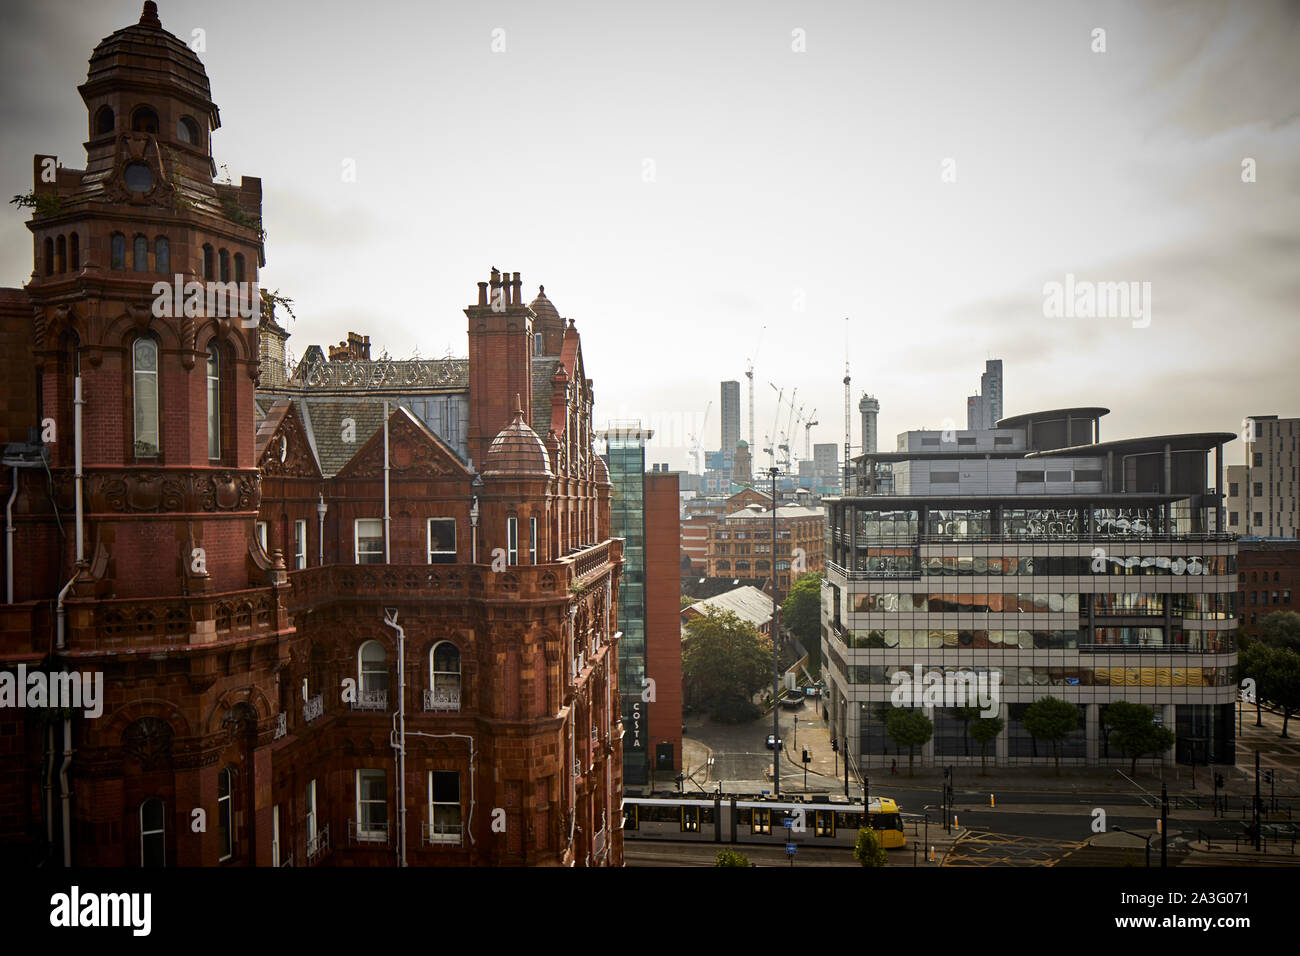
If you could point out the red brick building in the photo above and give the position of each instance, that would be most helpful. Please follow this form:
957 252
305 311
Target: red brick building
327 632
1268 580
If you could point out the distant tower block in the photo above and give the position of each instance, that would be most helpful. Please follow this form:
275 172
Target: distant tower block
730 416
869 407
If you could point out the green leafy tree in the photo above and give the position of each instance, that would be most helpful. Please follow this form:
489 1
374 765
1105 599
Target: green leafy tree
868 850
731 858
1051 720
965 715
984 731
801 613
1281 629
1134 731
724 661
687 601
908 727
1279 680
1250 663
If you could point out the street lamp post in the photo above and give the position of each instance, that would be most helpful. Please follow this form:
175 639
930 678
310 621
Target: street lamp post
1147 838
776 667
321 508
475 486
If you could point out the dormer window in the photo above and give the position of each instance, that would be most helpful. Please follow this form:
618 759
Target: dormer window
187 131
144 120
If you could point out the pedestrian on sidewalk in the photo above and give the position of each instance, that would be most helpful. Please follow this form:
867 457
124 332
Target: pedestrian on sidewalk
893 767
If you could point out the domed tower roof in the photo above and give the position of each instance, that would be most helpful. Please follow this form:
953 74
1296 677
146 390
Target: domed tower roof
602 472
144 54
517 450
542 307
548 323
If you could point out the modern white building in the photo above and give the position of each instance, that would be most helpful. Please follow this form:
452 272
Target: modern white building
1263 498
1033 559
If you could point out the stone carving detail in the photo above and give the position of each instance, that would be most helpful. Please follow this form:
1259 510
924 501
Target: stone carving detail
148 740
147 491
412 373
288 454
226 491
410 451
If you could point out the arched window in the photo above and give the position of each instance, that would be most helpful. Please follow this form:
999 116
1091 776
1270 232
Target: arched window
373 667
145 397
104 121
225 812
444 677
724 565
162 255
140 254
144 120
209 263
49 257
74 251
214 401
117 257
742 565
224 258
61 254
153 833
187 131
239 267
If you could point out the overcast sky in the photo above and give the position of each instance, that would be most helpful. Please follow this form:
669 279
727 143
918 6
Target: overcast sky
679 175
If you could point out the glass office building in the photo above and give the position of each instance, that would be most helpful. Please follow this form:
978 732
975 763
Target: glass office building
1033 560
625 457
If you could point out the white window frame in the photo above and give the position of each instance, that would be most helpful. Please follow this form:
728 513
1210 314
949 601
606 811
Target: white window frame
434 837
429 541
162 832
446 675
213 367
378 540
300 544
362 831
512 540
311 811
144 382
262 536
228 811
532 540
275 835
366 679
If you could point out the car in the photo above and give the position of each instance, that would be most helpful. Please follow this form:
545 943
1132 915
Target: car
771 738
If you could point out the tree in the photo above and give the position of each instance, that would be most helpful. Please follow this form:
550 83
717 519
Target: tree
908 727
984 731
724 661
868 850
801 613
1134 731
1281 629
731 858
687 601
1279 670
1051 720
966 715
1250 661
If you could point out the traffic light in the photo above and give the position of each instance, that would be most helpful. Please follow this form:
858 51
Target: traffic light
806 758
835 744
1218 780
1268 776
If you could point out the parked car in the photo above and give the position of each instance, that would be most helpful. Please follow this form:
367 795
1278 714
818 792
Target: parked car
773 742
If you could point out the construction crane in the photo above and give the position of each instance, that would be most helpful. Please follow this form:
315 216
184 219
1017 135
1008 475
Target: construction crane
749 374
808 424
788 435
848 420
696 445
776 418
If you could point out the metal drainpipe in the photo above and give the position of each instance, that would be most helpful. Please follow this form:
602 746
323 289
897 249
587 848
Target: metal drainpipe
399 743
387 517
61 620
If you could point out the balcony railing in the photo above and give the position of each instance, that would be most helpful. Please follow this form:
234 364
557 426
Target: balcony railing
441 699
371 700
367 833
319 845
598 842
281 725
314 708
442 834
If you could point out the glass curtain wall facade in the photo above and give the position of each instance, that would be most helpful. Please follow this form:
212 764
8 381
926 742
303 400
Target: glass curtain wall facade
625 457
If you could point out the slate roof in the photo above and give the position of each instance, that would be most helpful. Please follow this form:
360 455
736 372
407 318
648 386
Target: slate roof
323 419
746 602
543 389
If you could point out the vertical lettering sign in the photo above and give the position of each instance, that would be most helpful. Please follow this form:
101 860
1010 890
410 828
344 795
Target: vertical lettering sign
632 736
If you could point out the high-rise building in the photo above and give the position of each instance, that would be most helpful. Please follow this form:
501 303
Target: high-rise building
1263 497
730 416
984 409
869 408
826 461
644 512
1030 561
266 582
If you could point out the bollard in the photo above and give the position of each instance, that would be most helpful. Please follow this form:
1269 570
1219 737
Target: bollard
931 852
955 824
991 803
